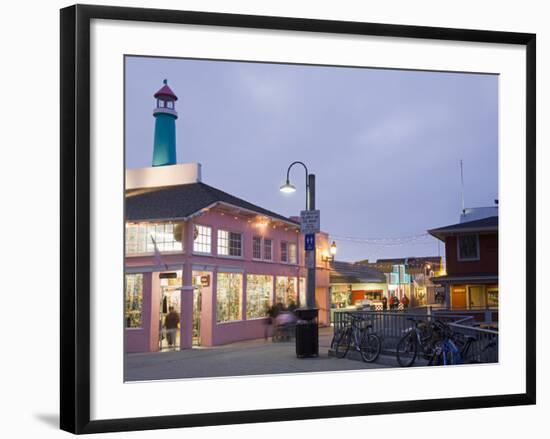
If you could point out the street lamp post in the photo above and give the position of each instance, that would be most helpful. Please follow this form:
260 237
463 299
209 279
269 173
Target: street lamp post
310 205
307 332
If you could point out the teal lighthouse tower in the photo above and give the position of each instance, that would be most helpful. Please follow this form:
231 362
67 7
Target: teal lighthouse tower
164 151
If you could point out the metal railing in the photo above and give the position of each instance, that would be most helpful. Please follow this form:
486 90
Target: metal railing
391 326
484 347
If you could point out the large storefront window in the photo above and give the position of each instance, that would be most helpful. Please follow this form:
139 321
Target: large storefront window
302 289
340 296
259 290
228 296
477 296
139 237
492 296
133 300
285 292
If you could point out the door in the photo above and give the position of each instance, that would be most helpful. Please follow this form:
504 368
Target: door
197 309
458 298
169 318
477 296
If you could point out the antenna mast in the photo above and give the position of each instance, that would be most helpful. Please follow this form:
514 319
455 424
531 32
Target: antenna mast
462 185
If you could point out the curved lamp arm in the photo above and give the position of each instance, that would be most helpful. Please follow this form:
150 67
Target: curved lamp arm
307 180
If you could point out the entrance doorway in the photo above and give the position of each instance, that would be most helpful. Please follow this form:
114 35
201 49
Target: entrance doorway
170 308
458 298
201 285
477 296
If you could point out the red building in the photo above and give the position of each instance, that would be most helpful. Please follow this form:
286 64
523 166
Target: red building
471 250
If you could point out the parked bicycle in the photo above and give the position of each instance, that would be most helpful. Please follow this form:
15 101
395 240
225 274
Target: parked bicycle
422 336
357 335
456 348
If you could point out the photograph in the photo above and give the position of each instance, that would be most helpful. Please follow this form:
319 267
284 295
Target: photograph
286 218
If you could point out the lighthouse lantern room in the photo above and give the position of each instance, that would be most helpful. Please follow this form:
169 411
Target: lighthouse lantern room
164 150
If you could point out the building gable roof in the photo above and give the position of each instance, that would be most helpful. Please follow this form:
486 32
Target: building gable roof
489 225
346 272
183 201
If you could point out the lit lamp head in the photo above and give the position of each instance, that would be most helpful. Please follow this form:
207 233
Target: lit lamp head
333 249
287 188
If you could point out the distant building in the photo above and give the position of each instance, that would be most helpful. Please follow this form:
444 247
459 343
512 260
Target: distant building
415 265
411 277
471 253
352 283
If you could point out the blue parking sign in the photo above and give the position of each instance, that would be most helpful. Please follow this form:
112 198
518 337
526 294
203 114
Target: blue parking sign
310 241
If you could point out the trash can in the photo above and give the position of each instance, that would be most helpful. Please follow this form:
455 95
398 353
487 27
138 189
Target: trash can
307 333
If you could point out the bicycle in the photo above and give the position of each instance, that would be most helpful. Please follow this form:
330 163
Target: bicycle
357 334
423 335
454 350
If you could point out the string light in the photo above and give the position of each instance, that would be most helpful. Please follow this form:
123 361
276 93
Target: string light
419 239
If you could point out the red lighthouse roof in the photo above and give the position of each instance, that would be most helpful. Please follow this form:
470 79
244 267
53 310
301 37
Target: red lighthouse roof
166 92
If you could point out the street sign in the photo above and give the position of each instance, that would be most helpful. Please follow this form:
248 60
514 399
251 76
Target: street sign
310 221
310 242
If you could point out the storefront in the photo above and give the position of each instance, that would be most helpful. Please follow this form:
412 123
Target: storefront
354 285
473 297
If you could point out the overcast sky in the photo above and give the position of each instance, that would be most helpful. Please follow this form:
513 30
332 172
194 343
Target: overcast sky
385 145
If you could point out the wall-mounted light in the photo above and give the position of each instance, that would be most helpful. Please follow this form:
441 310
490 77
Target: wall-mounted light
333 249
261 221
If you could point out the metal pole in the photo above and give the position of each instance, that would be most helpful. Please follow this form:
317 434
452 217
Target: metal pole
310 290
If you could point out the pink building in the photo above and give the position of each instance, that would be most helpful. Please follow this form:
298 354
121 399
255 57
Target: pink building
221 262
203 266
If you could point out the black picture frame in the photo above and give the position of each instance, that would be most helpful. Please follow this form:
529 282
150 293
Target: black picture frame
75 217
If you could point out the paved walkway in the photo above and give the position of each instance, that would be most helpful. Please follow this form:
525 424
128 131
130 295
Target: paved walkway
254 357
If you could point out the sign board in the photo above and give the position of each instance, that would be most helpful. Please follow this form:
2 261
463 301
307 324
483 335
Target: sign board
168 275
310 221
205 280
310 242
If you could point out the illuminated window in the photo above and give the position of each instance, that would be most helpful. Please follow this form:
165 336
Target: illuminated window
285 291
284 251
229 243
302 285
202 242
257 247
268 249
139 237
292 253
468 247
492 296
133 300
228 296
259 290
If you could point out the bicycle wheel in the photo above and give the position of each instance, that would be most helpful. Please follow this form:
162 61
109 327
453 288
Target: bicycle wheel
407 348
370 347
342 344
336 338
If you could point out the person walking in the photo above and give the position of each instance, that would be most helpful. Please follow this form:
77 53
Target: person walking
171 323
